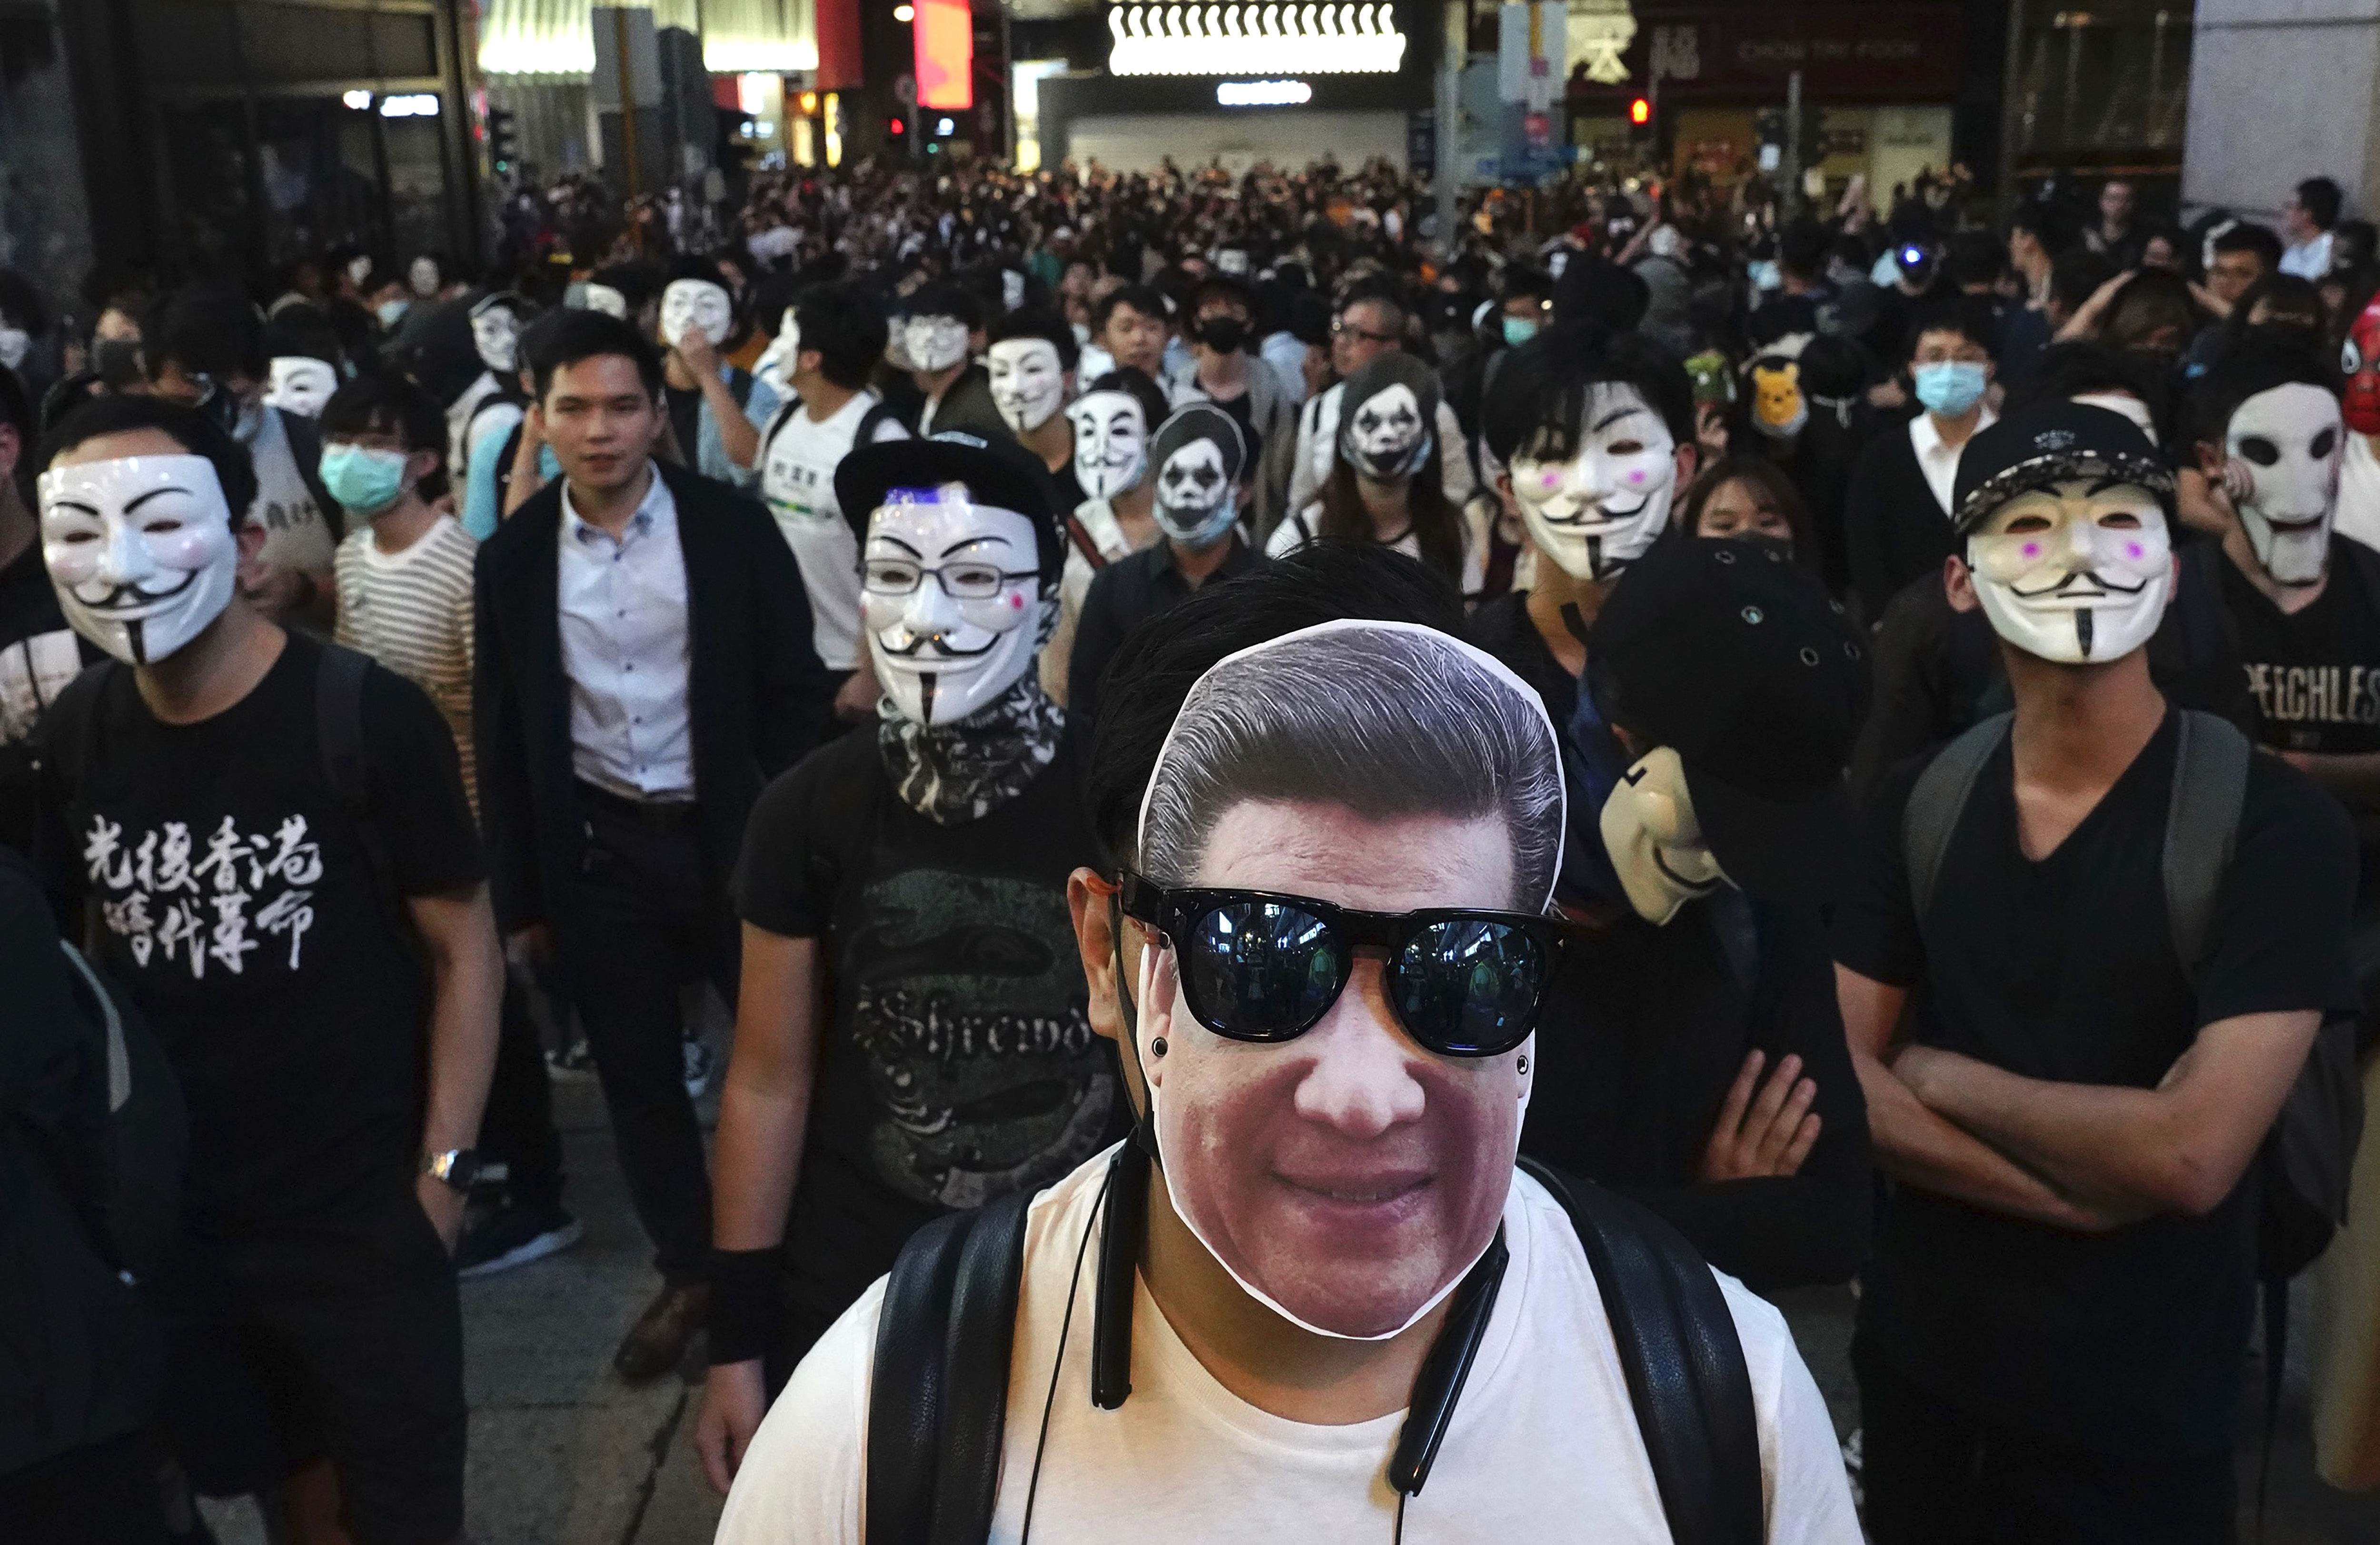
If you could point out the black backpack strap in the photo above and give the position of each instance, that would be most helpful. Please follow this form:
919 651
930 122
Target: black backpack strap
2201 825
306 448
982 1339
1683 1360
339 731
71 727
1936 802
906 1384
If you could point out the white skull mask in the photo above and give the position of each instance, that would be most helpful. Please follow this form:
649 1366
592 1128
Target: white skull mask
1656 842
1385 436
775 365
299 383
696 306
2075 573
1111 443
1029 382
2281 452
932 343
140 550
495 333
422 277
608 301
951 597
1598 511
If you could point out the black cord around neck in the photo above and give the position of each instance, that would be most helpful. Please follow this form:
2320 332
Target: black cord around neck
1065 1325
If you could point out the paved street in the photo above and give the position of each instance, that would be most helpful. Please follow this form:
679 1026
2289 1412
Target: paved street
563 1454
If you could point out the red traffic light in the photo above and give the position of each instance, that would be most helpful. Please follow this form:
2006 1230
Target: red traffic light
897 126
1640 111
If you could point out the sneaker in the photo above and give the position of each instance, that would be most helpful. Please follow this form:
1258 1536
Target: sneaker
510 1236
698 1065
572 1064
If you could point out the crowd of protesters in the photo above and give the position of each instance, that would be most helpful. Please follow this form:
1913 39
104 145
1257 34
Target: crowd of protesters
419 683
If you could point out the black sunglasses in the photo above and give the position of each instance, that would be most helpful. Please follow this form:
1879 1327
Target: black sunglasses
1262 967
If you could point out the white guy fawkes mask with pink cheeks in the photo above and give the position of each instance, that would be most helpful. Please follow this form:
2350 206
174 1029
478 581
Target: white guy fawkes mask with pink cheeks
140 551
1599 510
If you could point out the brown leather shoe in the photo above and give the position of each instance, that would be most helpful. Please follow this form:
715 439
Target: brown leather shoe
657 1342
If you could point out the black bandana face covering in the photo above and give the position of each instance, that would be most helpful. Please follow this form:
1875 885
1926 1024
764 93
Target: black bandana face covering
964 771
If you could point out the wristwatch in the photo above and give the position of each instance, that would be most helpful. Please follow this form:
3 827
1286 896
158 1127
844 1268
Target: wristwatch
456 1166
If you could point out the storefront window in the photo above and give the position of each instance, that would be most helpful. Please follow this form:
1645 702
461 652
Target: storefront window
2103 87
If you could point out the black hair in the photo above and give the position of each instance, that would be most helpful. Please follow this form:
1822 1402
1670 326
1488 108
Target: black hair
1770 479
577 337
2047 223
946 299
2319 197
2152 301
17 412
1153 670
2075 276
383 402
1802 248
196 433
303 332
1049 326
1967 315
1974 258
21 303
2254 364
1143 299
1377 294
205 331
847 327
1596 292
1525 280
1135 383
2085 369
1229 287
1539 397
2246 236
1307 316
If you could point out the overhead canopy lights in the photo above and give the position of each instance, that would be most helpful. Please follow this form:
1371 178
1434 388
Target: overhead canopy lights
1262 93
1156 38
554 37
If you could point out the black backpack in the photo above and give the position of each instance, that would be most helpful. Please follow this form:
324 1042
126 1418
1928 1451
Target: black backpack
938 1396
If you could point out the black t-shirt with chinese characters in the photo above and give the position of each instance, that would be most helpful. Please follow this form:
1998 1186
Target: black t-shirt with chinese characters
2129 1342
236 899
2314 673
958 1063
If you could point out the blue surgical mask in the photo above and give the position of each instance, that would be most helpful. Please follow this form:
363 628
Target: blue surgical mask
363 480
391 312
1520 330
1767 276
1950 387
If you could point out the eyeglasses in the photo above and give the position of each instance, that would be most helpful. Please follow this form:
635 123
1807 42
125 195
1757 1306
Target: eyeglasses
959 582
1257 966
1343 328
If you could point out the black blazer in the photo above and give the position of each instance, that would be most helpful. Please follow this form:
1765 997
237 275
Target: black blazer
760 700
1893 530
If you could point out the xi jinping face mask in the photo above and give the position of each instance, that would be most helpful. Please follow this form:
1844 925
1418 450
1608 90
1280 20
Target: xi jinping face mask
1599 510
2075 573
2281 453
140 550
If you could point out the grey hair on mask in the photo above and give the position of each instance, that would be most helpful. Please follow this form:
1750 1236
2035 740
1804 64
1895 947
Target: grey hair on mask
1385 720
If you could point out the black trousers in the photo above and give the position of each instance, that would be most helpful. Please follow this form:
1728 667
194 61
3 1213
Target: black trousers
650 916
1937 1474
518 1128
102 1495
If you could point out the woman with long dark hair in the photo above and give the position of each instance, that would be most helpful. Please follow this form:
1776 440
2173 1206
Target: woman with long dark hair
1384 484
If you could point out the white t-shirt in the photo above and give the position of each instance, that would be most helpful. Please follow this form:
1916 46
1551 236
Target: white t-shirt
1298 530
797 480
1543 1447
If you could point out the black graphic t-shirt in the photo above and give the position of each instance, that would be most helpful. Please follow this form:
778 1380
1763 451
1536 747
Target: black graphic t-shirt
958 1062
2315 675
236 901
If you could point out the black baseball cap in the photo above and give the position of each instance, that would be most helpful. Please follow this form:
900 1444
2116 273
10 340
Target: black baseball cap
1734 656
2047 444
993 473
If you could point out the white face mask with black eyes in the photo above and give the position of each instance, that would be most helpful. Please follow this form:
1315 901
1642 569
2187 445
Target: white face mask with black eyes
2281 456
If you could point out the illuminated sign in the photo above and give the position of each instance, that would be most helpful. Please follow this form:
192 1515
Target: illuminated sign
945 33
1262 93
1156 38
418 106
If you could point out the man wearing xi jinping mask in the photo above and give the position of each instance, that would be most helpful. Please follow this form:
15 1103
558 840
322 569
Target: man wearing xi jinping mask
2116 933
1319 951
911 1036
1201 472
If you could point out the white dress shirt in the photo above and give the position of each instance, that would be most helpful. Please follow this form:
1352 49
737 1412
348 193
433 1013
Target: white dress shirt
1938 461
2310 258
625 647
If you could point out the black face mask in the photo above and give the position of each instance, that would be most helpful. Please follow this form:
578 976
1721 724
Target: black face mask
116 361
1223 333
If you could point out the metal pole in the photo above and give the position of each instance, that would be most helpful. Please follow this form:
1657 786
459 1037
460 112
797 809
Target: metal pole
1449 123
1792 202
1008 85
628 110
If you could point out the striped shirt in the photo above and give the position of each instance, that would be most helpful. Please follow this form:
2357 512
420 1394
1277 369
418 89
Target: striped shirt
411 610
